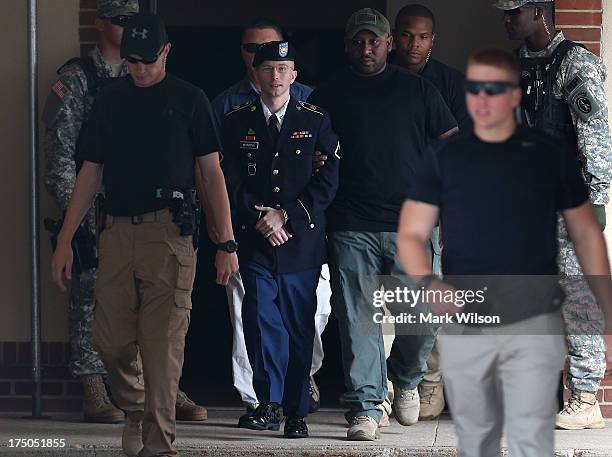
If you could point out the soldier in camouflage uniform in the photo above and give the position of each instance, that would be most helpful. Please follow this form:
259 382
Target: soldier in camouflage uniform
564 95
67 109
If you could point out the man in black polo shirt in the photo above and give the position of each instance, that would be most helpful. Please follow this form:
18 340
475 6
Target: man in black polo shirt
143 138
384 118
501 185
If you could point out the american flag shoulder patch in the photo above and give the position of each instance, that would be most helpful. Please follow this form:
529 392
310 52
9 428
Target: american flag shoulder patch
60 89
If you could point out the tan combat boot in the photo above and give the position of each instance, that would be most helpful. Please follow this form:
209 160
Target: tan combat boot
432 400
187 410
363 428
582 411
131 439
406 405
97 407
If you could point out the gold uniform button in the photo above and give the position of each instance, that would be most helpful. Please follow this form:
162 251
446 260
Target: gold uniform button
298 151
277 206
312 226
274 172
276 190
276 155
243 227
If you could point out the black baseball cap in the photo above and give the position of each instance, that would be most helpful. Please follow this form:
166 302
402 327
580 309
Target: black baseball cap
274 50
143 35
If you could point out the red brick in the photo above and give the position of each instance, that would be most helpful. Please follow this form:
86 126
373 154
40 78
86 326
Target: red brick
606 411
15 404
88 17
57 354
86 48
588 34
56 373
23 388
5 388
53 388
594 48
607 395
74 388
15 372
24 353
607 380
578 4
88 35
88 4
573 18
62 404
9 353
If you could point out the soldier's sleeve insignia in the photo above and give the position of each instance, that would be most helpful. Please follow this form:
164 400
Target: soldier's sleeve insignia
581 100
60 89
239 107
310 107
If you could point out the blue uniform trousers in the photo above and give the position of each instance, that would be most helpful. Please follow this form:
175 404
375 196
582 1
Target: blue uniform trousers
278 313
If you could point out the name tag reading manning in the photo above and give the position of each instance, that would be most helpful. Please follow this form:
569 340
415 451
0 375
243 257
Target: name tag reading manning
249 145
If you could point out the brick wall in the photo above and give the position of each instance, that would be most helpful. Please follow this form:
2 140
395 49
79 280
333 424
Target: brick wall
60 391
581 21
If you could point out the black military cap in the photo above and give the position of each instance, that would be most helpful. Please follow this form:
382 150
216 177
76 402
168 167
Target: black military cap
274 50
143 35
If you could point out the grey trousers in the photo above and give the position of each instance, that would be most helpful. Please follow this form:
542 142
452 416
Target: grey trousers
504 380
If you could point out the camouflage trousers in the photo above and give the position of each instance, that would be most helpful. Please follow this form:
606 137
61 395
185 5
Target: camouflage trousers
584 323
84 360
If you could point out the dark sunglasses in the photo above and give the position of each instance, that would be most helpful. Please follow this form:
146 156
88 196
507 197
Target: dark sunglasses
120 20
490 88
251 48
134 60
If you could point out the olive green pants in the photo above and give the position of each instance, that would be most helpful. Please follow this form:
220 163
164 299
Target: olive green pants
142 312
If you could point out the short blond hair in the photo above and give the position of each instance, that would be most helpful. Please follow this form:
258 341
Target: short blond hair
497 58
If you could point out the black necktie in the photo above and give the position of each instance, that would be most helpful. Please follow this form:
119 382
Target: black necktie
273 128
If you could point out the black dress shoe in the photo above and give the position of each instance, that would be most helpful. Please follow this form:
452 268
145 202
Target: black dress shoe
295 427
245 418
265 417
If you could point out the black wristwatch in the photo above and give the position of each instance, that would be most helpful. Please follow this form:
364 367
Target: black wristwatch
228 246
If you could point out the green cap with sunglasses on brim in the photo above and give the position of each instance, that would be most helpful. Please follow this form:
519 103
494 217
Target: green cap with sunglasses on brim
274 50
113 8
367 19
144 34
507 5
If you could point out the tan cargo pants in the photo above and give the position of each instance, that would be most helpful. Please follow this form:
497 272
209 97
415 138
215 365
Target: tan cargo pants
142 312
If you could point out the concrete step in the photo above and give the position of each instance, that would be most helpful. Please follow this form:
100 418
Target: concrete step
219 437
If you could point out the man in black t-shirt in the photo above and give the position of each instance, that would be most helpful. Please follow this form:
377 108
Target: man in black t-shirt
384 118
414 36
501 183
144 136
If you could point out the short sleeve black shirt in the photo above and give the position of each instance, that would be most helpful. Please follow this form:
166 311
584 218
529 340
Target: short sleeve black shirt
451 84
147 138
384 124
499 201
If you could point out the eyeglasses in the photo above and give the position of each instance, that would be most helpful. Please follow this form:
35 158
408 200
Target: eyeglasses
251 48
134 60
119 20
491 88
282 69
